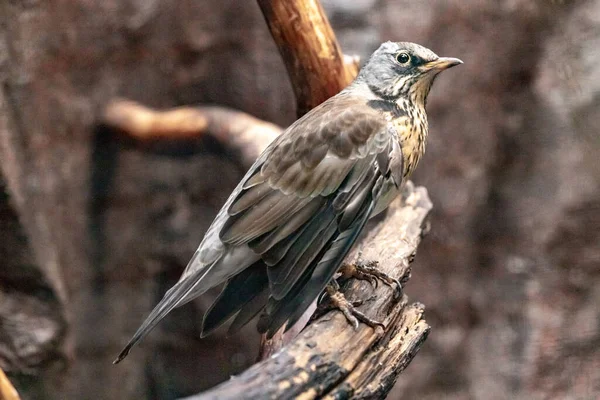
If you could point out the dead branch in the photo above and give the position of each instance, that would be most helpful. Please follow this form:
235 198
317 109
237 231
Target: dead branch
309 50
329 358
250 136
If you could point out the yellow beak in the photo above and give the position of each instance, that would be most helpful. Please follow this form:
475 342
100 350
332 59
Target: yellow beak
441 64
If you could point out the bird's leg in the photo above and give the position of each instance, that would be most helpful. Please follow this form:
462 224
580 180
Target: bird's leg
368 271
338 301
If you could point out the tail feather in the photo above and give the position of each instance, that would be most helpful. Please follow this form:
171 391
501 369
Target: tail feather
239 291
249 310
175 297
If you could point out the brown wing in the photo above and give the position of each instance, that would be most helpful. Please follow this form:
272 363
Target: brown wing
301 209
336 142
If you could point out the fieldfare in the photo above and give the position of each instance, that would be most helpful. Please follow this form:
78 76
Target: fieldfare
283 233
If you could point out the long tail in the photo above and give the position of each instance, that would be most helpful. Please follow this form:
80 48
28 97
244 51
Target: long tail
176 296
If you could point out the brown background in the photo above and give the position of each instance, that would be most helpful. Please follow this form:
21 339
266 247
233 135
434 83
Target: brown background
94 228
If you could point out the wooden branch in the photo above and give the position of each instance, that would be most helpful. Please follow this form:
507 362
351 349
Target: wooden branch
238 131
7 390
329 358
309 49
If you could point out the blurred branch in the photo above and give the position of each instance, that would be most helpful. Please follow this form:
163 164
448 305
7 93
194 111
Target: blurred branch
7 390
330 359
238 131
309 49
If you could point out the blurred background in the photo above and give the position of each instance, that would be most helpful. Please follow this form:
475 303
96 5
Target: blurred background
94 228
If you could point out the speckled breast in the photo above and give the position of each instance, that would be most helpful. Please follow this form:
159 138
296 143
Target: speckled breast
412 133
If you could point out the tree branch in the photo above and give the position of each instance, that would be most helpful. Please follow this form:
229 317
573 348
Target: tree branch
245 135
309 49
7 390
328 358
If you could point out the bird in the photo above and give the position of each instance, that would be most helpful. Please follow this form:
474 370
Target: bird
286 228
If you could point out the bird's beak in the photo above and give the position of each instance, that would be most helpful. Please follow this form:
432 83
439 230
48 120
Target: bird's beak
441 64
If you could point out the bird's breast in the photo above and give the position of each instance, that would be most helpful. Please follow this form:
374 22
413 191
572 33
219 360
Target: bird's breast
412 134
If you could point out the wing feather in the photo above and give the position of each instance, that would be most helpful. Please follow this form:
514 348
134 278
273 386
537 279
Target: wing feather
267 241
239 291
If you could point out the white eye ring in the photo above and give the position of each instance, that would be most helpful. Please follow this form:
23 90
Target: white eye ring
403 57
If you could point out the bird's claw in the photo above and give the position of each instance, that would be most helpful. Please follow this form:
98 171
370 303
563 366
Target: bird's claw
368 271
339 301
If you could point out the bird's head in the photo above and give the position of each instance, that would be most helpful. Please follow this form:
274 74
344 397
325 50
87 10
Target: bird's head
402 69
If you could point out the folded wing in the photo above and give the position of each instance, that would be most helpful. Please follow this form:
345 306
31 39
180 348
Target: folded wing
288 225
303 206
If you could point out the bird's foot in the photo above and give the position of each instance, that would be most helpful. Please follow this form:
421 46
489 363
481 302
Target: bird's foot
368 271
338 301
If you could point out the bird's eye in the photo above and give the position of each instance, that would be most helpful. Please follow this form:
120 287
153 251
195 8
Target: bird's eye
403 58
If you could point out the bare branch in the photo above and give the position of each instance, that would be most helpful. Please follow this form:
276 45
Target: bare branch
329 357
309 49
238 131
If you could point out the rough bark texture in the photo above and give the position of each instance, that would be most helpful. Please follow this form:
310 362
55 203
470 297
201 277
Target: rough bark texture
510 273
332 359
